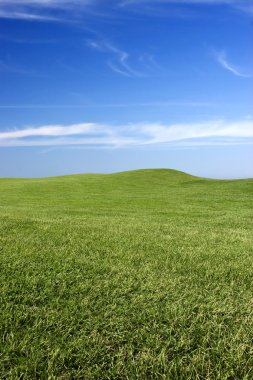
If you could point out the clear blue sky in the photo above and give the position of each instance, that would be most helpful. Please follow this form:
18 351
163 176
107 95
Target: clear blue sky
104 86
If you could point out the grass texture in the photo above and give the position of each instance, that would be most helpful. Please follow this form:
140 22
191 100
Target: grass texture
136 275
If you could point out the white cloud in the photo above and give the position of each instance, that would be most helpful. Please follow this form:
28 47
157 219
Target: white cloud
119 62
229 2
243 6
49 130
131 135
159 133
67 10
13 14
222 60
40 10
159 104
45 3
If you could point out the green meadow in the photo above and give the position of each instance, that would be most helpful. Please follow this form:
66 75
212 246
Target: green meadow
145 274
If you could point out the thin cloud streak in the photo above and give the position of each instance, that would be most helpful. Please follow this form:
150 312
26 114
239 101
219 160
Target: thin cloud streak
155 104
63 4
222 60
41 10
118 70
50 130
97 135
72 10
212 2
119 63
26 16
183 6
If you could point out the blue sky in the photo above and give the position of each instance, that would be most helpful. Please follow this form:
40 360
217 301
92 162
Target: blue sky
104 86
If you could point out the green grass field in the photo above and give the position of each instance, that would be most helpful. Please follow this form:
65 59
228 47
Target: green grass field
137 275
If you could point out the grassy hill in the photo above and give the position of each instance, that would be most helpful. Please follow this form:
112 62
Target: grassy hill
136 275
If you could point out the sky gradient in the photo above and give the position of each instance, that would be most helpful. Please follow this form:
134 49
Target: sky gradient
104 86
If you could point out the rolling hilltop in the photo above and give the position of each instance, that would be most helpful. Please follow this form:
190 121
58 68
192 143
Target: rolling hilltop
144 274
152 191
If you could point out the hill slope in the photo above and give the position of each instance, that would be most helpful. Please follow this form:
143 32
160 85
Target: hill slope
139 189
144 274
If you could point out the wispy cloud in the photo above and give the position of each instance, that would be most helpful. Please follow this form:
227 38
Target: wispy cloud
182 8
99 135
229 2
13 14
178 132
222 60
40 10
120 58
50 130
155 104
148 61
73 10
69 10
46 3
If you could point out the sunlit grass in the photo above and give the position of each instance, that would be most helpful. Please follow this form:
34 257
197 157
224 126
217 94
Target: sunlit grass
137 275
